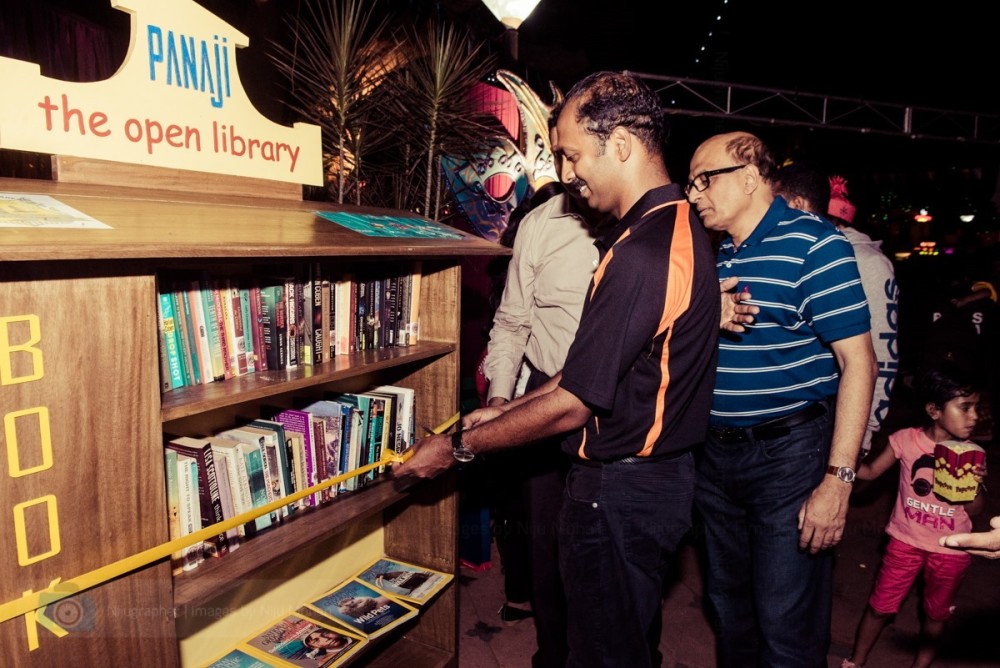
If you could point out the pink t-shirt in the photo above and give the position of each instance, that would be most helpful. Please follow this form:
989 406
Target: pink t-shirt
919 517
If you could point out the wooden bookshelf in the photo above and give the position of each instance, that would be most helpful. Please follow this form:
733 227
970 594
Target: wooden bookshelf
84 418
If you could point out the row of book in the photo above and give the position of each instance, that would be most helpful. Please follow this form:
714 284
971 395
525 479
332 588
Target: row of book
213 328
261 460
331 628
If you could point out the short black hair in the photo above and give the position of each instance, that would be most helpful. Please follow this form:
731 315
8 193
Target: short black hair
804 179
606 100
941 384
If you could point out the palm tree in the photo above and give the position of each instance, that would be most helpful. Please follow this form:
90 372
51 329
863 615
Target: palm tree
432 108
339 56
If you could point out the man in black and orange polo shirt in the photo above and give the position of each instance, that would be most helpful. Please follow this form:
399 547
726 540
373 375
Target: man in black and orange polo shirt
635 391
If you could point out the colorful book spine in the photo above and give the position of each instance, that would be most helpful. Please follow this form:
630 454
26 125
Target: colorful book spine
257 326
209 502
248 329
220 289
182 337
171 341
272 310
212 329
239 335
199 321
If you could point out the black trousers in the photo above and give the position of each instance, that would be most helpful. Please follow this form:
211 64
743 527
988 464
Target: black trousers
531 481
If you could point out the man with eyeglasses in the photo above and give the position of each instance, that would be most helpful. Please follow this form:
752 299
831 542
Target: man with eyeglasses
790 406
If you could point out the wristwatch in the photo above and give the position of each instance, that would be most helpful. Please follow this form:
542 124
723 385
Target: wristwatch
458 450
843 473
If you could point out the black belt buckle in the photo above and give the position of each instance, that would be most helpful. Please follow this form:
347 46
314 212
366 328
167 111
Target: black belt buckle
727 435
770 429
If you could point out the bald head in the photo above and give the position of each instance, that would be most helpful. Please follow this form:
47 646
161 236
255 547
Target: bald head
730 182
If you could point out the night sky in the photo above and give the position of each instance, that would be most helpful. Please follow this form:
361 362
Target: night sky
885 51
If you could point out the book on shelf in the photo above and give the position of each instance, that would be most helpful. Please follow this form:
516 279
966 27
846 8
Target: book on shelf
356 435
342 291
188 362
173 506
360 304
170 363
406 581
303 286
390 322
238 658
363 609
298 429
274 323
268 445
327 452
317 457
413 317
228 505
171 340
229 452
249 450
406 424
323 345
293 294
248 328
189 510
199 320
224 318
209 502
375 314
257 327
381 414
235 311
212 327
297 640
278 460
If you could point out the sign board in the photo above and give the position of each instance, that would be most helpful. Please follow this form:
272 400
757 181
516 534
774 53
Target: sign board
176 101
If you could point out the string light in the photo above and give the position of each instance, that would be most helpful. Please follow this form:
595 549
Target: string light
711 33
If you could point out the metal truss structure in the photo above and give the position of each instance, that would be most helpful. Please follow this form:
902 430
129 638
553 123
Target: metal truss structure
693 97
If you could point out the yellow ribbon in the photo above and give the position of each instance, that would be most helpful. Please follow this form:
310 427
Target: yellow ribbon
33 600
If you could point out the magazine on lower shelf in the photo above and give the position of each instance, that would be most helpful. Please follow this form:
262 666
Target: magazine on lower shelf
296 640
363 609
238 658
406 581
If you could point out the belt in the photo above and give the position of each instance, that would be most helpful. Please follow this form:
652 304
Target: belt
770 429
593 463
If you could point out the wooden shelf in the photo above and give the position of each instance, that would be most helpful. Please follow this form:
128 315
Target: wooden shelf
184 402
215 577
83 302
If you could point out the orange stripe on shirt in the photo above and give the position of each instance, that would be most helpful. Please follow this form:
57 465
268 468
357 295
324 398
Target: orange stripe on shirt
677 300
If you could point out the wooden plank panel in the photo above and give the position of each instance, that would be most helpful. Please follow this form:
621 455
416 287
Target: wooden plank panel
70 169
186 228
80 400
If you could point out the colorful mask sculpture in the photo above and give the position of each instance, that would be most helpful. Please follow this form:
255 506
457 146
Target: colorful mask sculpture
527 170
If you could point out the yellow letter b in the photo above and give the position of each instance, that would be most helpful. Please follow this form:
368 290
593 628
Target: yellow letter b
8 349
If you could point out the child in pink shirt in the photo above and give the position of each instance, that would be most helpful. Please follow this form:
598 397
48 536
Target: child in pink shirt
920 518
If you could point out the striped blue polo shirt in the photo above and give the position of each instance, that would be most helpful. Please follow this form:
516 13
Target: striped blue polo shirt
802 274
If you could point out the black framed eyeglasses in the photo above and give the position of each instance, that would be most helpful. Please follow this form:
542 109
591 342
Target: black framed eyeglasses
701 182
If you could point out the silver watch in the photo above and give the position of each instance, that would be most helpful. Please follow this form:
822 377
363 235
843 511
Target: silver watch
458 449
843 473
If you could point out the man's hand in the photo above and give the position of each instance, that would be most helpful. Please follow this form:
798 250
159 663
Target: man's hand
432 455
982 543
735 314
823 515
481 415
